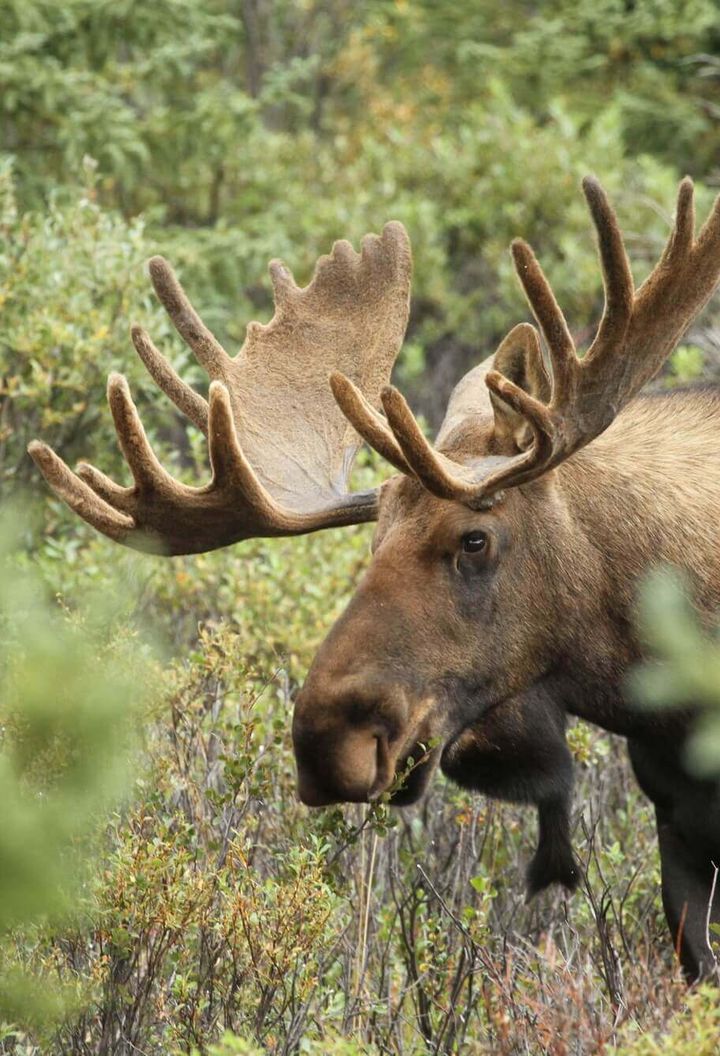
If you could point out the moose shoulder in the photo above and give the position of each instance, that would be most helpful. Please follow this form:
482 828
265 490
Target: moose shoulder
507 557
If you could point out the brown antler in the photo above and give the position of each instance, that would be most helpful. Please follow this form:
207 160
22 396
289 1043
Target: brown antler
637 332
280 450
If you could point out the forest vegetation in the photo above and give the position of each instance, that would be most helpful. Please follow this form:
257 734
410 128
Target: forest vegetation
162 890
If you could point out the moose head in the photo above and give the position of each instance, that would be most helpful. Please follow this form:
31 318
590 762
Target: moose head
506 557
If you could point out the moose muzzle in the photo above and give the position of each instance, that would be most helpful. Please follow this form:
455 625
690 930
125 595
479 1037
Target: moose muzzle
347 738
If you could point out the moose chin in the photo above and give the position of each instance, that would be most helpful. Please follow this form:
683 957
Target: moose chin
507 555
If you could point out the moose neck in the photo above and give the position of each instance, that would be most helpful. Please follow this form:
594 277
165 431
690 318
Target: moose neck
644 494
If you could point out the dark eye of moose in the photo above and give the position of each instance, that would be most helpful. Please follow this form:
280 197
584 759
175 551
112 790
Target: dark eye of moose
474 542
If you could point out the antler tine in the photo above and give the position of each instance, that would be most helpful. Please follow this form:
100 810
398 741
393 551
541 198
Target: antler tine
682 235
617 281
145 467
208 350
114 494
283 283
188 401
676 289
366 421
426 463
231 469
560 345
617 276
524 466
78 495
708 241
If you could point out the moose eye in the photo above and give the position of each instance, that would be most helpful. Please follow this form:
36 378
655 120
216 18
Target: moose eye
474 542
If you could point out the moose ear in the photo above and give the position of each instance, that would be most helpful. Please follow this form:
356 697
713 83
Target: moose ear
519 359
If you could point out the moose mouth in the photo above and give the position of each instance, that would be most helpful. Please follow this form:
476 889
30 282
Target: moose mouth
413 774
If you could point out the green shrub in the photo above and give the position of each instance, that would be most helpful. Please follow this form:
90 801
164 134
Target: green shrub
694 1031
686 668
67 704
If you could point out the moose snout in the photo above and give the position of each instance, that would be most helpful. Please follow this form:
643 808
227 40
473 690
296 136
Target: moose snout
351 773
344 743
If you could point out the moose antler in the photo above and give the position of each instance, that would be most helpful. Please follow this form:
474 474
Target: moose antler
280 450
637 332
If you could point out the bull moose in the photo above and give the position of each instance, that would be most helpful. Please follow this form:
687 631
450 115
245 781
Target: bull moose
506 558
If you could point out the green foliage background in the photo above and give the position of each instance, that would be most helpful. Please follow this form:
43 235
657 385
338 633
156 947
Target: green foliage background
223 134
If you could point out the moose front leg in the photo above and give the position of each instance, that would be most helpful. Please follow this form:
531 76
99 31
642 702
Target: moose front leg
517 752
688 824
687 888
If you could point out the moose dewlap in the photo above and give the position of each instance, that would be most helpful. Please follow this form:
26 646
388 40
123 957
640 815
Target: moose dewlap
507 557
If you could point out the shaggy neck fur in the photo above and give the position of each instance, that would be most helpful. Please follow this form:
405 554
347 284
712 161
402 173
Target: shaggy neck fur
646 492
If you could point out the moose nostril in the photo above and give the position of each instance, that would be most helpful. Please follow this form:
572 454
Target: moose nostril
313 794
